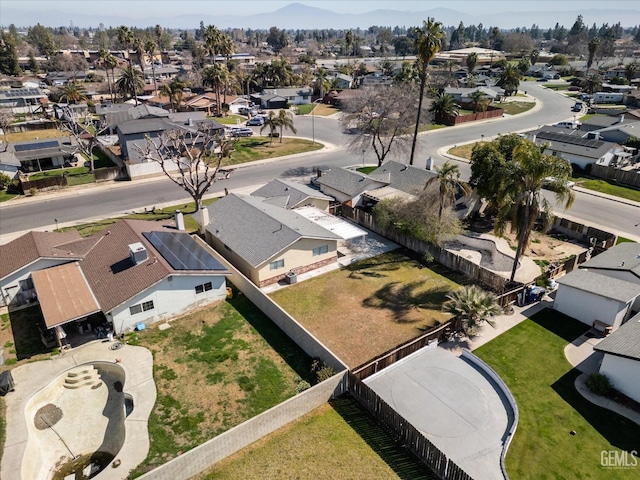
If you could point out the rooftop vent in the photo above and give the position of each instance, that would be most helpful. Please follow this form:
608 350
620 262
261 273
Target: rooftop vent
137 253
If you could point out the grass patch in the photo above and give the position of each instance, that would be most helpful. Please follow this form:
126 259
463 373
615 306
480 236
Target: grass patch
305 109
5 196
33 134
514 108
352 445
214 369
624 240
609 187
20 328
557 86
366 170
530 359
464 151
260 148
370 306
324 110
230 120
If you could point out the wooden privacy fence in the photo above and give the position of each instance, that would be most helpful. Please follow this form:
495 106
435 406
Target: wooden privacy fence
627 177
405 433
404 349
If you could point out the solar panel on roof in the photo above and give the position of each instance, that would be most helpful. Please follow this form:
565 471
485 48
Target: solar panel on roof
182 251
36 146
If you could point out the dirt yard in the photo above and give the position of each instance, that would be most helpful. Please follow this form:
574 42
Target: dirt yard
546 247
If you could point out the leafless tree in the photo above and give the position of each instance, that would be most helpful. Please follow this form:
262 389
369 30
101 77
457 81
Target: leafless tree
380 118
191 159
6 118
86 139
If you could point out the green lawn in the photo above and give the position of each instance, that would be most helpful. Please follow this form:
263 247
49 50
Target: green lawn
608 186
230 120
305 109
624 240
530 359
367 170
260 148
337 440
4 196
514 108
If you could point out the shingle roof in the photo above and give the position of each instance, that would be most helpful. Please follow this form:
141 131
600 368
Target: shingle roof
623 257
575 145
347 181
406 178
624 342
257 230
602 285
294 193
31 246
142 126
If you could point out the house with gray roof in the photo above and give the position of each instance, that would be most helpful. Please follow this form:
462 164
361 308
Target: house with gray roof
403 177
290 195
294 95
575 149
269 100
9 163
621 361
347 186
265 241
38 155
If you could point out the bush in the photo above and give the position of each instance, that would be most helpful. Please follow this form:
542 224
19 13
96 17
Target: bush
599 384
576 169
5 181
301 386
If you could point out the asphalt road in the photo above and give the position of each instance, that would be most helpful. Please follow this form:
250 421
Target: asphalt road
92 203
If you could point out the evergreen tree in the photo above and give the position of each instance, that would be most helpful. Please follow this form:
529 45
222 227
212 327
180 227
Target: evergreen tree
8 55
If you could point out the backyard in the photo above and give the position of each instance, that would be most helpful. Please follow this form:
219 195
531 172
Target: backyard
352 445
214 369
530 360
371 306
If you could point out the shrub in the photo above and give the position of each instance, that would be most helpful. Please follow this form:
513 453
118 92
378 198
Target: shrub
5 181
599 384
321 370
301 386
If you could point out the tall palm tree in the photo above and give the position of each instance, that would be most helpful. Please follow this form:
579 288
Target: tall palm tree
322 83
72 92
472 60
216 76
449 184
271 123
478 100
150 49
593 46
130 83
127 39
107 60
592 84
285 122
428 41
211 38
443 106
175 91
509 79
472 306
521 202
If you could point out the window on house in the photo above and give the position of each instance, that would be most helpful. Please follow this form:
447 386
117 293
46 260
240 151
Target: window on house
205 287
133 309
147 305
276 264
320 250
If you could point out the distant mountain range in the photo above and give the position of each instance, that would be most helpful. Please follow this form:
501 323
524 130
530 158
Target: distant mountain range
299 16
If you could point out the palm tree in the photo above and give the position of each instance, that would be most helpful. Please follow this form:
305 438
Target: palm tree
449 184
130 83
509 79
216 76
593 46
428 41
150 49
322 82
472 60
71 92
478 100
271 123
174 90
472 306
534 56
211 39
285 122
443 106
108 62
592 84
521 202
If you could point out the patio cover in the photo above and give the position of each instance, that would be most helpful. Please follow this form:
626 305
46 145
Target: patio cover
342 228
64 294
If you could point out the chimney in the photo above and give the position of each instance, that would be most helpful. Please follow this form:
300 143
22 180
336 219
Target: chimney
204 218
137 253
189 122
319 172
179 220
533 139
621 119
430 164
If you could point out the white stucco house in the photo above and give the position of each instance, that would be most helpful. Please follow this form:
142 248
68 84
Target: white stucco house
621 361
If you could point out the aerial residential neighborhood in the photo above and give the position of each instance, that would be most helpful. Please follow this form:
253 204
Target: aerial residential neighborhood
319 240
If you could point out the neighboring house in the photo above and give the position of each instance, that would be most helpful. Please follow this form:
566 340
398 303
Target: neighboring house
621 361
462 95
599 122
205 102
133 272
347 186
295 96
57 79
237 103
342 81
265 241
616 133
41 155
9 163
403 177
375 79
23 100
288 194
269 101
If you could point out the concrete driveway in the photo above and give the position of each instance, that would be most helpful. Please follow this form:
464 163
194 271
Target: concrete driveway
459 409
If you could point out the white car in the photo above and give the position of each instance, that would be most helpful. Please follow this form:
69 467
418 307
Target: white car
547 182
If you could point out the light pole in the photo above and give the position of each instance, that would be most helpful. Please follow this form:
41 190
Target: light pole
313 122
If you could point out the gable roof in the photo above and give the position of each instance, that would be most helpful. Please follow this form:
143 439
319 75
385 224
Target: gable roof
406 178
573 144
602 285
624 342
256 230
291 193
31 246
622 257
142 126
348 181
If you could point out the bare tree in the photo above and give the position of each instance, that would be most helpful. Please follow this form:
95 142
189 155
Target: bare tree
85 135
191 159
6 118
381 118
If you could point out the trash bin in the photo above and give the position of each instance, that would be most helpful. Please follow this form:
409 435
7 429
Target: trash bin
291 277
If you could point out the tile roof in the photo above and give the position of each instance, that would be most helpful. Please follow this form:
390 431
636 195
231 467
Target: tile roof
348 181
257 230
624 342
31 246
294 193
623 257
406 178
602 285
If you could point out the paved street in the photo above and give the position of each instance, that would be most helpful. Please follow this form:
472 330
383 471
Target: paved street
90 203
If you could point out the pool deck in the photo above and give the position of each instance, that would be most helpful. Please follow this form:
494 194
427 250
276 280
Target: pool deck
29 379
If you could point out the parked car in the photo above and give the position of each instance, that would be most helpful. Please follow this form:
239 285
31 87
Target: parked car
548 183
241 132
577 107
256 121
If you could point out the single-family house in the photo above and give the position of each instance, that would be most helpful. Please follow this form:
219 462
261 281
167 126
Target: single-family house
265 241
134 272
237 103
41 155
23 100
621 361
269 101
289 194
295 95
463 95
616 133
342 81
599 122
347 186
57 79
9 163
